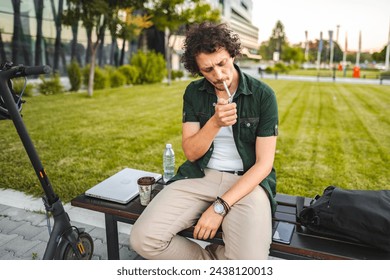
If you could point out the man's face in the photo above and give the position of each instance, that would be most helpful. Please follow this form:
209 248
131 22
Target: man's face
216 67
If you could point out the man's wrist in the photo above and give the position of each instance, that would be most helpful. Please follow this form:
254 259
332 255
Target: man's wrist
221 207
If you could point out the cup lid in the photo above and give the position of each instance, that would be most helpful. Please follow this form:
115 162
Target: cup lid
147 180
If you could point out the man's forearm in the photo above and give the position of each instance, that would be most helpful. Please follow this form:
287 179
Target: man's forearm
196 143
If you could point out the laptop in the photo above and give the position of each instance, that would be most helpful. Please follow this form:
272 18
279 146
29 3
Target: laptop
121 187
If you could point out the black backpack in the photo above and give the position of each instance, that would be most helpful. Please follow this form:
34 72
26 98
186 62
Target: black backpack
355 215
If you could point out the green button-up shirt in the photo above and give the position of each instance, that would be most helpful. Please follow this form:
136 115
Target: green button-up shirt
257 117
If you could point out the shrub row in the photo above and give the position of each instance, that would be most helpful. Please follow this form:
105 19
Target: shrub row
281 68
145 68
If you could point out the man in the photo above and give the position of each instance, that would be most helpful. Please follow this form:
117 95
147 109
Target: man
229 138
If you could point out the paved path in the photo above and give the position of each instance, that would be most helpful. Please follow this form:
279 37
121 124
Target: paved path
24 232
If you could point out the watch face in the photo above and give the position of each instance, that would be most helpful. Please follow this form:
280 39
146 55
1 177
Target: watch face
218 208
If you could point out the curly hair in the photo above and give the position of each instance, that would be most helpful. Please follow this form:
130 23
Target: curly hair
208 38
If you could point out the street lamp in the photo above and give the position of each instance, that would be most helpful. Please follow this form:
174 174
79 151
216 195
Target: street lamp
331 48
306 46
278 50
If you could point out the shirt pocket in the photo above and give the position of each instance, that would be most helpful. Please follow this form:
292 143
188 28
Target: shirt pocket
248 127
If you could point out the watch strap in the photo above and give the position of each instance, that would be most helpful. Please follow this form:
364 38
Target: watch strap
224 203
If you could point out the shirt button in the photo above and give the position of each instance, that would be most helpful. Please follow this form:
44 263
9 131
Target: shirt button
248 125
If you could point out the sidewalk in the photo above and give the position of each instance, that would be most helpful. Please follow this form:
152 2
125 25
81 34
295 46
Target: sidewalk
24 232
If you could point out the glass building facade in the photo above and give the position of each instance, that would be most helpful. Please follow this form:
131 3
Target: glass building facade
29 34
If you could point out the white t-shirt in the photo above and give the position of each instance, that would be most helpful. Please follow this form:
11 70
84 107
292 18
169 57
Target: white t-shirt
225 156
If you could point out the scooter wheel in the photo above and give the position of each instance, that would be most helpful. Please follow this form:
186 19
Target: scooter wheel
87 242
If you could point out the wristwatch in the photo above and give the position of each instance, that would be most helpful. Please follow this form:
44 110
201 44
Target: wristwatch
219 208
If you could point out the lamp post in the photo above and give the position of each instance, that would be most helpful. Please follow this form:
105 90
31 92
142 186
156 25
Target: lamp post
345 55
319 52
359 50
306 46
278 50
331 49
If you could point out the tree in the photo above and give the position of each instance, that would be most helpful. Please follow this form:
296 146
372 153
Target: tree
58 23
293 54
16 34
94 15
278 38
265 51
131 27
170 15
338 53
117 22
18 39
38 4
71 17
3 56
72 20
380 56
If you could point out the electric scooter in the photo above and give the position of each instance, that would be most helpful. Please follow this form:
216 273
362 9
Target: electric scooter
66 242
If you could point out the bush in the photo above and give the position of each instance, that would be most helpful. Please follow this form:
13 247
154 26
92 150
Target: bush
151 67
280 68
293 66
74 74
177 74
117 79
268 70
51 86
130 72
18 85
100 80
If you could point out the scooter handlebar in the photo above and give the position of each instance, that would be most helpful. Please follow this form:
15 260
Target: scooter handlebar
23 71
37 70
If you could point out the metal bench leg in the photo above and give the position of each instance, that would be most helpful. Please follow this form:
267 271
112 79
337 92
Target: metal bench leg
112 237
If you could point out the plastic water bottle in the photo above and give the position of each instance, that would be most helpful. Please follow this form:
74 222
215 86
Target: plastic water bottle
168 163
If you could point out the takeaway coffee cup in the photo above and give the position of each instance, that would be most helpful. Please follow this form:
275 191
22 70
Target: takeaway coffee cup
145 185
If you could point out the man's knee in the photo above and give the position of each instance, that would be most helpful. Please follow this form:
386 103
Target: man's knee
144 243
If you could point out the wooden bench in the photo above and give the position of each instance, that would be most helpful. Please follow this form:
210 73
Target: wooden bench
304 245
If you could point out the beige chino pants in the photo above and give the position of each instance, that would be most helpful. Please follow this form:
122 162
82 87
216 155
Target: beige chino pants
247 228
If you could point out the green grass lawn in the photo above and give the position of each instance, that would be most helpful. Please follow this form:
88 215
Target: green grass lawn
330 133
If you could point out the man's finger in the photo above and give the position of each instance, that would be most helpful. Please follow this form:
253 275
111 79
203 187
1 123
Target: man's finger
196 232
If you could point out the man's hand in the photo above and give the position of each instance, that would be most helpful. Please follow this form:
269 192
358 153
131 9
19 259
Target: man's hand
225 113
208 224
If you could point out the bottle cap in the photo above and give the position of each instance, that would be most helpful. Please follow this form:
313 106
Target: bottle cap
168 146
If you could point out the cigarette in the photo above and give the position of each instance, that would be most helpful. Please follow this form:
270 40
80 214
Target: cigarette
228 92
